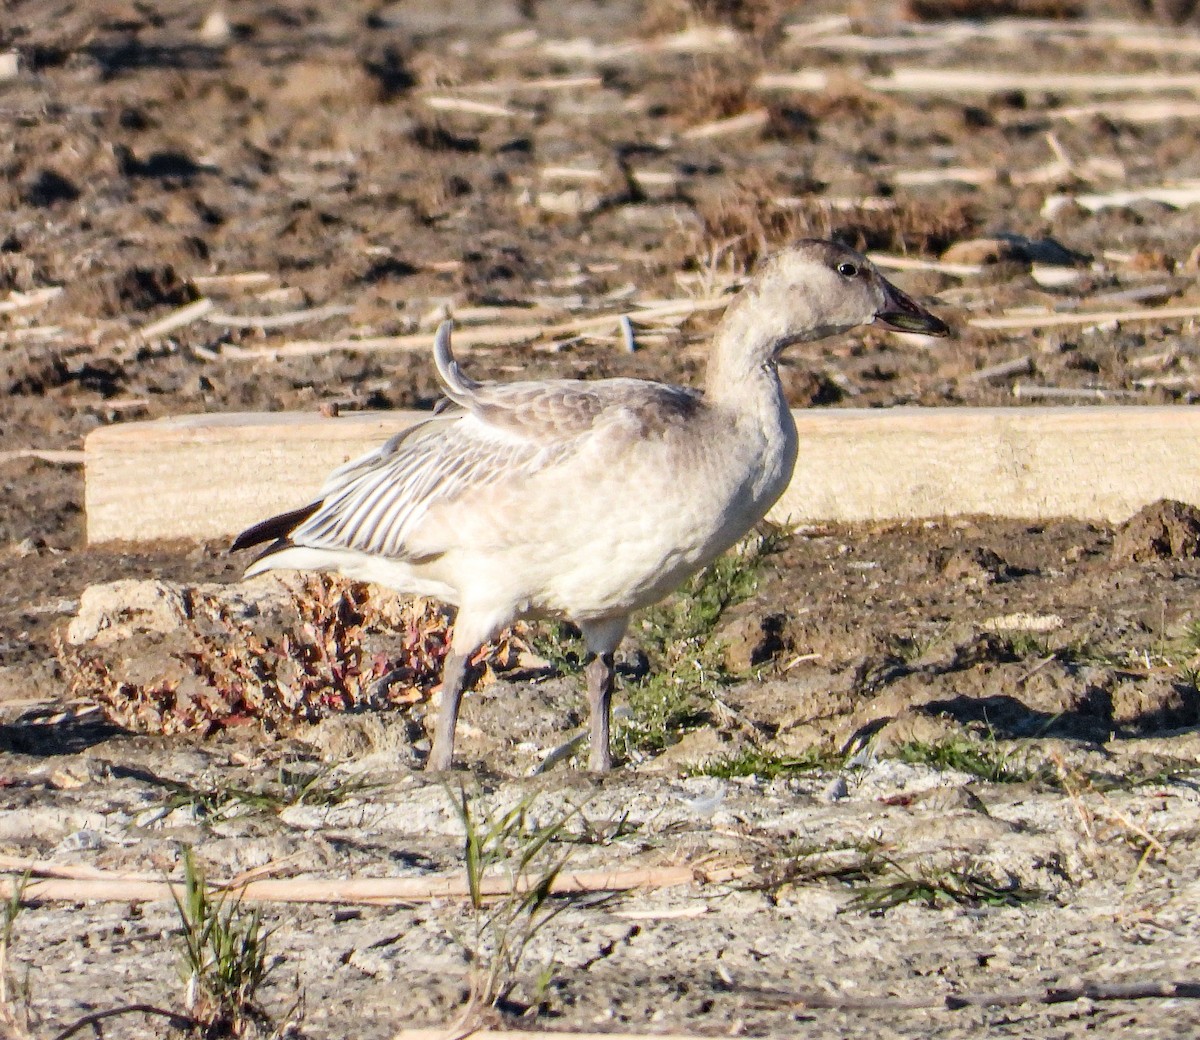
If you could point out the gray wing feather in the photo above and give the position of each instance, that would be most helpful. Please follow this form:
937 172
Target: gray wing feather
373 504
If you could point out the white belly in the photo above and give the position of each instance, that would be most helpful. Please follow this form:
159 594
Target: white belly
641 539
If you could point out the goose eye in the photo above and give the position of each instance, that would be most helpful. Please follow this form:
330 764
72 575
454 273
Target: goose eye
847 269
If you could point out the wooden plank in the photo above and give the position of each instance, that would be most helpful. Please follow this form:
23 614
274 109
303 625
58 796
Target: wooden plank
211 476
1098 462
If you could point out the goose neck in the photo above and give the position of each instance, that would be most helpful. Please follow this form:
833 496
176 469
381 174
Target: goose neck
741 368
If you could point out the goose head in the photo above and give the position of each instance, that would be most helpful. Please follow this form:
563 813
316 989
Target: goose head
815 289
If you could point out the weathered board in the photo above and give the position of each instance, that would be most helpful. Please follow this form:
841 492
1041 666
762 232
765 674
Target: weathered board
209 476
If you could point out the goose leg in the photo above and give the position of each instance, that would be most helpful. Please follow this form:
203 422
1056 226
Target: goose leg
602 639
454 675
599 673
473 627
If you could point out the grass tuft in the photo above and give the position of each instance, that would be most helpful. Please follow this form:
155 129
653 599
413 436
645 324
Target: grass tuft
223 959
292 787
509 841
686 664
936 887
982 759
752 761
849 863
14 1014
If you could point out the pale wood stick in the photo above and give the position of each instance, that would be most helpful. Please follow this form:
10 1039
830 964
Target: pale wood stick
483 314
490 336
852 43
695 39
243 279
38 332
1150 382
177 319
873 203
210 476
474 108
974 81
373 891
724 127
1179 196
1129 36
510 86
1137 293
277 321
914 263
46 868
65 457
1054 994
1046 321
1066 393
957 174
656 178
809 80
20 301
1016 367
947 81
458 1032
698 39
571 173
801 32
1179 42
1123 112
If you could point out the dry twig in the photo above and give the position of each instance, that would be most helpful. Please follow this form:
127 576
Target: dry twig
1057 994
111 887
1051 320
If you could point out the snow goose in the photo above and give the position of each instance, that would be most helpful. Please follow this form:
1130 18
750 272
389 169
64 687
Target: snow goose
583 500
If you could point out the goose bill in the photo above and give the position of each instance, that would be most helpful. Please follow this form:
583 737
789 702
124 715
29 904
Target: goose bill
900 311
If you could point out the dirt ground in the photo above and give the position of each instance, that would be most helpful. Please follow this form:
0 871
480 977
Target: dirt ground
990 723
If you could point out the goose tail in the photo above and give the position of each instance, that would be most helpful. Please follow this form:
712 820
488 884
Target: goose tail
460 388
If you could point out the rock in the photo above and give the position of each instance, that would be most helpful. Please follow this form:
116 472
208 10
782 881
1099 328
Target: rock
86 840
981 251
1166 529
1152 261
1012 249
949 799
751 640
117 610
112 612
1154 703
836 790
1023 622
975 564
694 748
215 28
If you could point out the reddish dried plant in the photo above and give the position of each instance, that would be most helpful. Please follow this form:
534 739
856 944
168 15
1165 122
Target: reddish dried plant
229 671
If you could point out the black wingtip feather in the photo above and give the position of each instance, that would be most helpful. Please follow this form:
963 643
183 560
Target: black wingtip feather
276 528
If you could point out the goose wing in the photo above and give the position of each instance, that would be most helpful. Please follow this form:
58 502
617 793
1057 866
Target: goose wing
373 504
507 433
